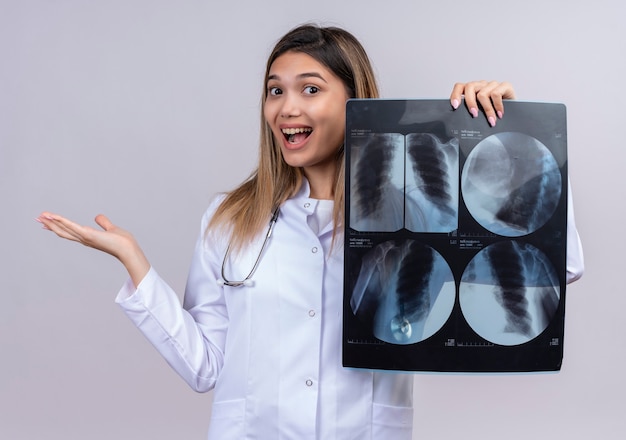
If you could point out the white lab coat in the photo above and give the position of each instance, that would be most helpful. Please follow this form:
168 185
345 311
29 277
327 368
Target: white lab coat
272 351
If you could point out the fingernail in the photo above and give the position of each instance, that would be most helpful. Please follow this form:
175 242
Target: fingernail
492 121
49 217
455 103
474 112
499 114
38 220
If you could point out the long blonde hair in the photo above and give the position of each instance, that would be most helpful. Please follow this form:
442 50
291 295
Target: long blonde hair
246 210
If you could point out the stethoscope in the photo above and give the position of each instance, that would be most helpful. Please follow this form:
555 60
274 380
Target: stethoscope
247 281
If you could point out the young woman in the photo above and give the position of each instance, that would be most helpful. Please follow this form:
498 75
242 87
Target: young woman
261 319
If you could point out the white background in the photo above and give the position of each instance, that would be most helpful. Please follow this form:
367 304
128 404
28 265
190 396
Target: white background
143 109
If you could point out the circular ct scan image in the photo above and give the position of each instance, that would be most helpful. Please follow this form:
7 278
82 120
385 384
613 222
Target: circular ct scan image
511 184
509 293
404 292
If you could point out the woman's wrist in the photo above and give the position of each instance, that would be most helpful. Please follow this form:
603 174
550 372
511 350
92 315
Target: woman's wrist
135 263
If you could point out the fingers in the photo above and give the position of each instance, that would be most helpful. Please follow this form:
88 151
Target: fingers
490 97
69 230
457 95
485 95
112 240
60 226
470 92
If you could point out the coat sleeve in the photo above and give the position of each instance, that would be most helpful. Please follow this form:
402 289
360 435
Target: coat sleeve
575 259
191 337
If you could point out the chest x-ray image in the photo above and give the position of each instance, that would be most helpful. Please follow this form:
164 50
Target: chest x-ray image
404 292
511 184
377 182
400 181
509 292
455 244
432 188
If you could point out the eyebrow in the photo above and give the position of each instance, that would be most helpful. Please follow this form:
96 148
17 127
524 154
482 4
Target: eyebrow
300 76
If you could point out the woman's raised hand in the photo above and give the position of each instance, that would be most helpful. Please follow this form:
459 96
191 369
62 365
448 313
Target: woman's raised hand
489 94
111 239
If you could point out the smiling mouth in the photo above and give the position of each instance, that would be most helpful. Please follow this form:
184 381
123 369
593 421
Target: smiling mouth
296 135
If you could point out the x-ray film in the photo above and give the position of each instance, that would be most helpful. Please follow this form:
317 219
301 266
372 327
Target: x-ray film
455 237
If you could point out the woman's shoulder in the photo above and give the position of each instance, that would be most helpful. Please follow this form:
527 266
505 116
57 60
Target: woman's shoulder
210 231
214 203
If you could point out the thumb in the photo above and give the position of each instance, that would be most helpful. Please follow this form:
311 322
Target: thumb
104 222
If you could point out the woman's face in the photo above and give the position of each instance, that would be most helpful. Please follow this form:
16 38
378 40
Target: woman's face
306 110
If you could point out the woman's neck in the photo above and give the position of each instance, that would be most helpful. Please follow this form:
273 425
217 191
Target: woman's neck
321 183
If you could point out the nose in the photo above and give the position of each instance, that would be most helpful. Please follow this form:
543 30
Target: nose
290 106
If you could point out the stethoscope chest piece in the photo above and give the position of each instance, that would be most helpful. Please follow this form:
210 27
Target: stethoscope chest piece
246 283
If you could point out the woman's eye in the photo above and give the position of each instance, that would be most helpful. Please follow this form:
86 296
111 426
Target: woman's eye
311 90
274 91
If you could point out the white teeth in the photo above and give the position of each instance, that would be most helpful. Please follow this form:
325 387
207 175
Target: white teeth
296 130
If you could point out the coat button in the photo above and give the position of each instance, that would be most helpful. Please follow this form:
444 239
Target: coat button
309 383
307 204
314 249
311 313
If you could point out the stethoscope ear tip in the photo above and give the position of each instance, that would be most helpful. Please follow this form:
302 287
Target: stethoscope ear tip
248 283
220 282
